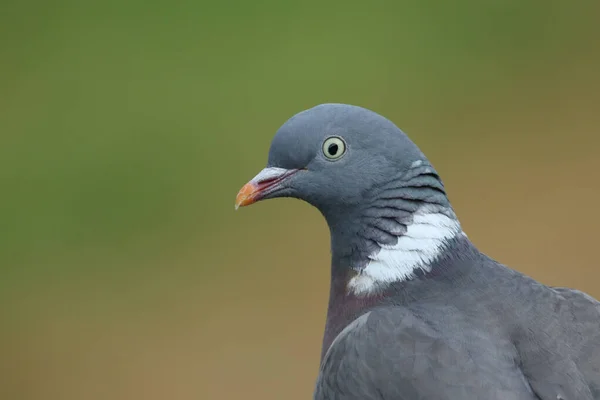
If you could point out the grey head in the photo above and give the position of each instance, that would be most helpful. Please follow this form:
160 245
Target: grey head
385 205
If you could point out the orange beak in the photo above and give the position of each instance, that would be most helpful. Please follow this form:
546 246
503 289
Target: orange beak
268 181
246 195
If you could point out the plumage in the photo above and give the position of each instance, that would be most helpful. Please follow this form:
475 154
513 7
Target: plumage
416 311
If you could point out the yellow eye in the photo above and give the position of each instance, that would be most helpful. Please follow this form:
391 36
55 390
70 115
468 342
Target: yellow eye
334 147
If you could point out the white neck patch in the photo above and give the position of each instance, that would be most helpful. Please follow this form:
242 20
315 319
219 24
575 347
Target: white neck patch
422 243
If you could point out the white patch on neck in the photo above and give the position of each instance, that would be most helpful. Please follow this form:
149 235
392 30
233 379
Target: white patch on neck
422 243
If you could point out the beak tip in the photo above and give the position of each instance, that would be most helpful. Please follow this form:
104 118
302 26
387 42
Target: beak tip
239 203
245 196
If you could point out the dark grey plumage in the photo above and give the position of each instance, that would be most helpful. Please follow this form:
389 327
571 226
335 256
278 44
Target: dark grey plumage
415 310
478 330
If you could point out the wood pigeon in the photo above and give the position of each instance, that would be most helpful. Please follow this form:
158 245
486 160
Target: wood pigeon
416 311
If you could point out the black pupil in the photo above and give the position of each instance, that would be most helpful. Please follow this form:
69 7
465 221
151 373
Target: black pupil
332 149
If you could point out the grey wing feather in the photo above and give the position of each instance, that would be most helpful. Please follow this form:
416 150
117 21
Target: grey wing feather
584 338
393 354
562 360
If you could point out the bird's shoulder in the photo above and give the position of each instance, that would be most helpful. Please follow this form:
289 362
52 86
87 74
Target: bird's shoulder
398 353
583 307
581 314
580 318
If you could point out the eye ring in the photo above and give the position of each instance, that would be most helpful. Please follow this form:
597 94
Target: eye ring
334 147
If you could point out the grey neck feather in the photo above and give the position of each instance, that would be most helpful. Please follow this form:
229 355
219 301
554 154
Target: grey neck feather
358 232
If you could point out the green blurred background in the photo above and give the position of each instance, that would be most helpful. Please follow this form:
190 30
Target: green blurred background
127 127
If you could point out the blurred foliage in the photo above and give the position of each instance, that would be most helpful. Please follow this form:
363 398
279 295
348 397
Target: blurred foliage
127 127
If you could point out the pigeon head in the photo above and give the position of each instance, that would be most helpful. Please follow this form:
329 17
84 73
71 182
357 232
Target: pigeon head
332 156
385 205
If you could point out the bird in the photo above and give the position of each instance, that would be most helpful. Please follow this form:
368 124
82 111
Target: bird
415 310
